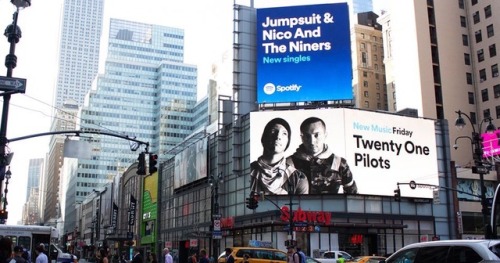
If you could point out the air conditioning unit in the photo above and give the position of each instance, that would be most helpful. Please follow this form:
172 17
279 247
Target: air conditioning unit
495 75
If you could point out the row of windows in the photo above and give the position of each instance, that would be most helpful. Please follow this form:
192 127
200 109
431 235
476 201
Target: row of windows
487 13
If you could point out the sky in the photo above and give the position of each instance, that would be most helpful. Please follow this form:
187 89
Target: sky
207 27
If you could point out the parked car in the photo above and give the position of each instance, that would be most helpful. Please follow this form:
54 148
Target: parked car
366 259
456 251
332 256
311 260
257 255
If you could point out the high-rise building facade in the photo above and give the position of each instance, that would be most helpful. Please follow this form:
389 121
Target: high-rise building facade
80 38
368 68
443 60
65 119
146 92
78 49
35 171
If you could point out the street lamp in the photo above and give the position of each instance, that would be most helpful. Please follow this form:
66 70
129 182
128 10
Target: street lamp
13 34
477 154
214 182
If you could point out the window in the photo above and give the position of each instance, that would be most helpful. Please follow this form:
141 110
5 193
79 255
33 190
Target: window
475 17
497 111
486 114
432 254
480 55
463 21
489 30
376 75
374 38
465 40
471 98
467 59
375 57
461 254
474 2
469 78
365 74
461 4
377 85
484 95
496 90
482 75
363 46
493 50
365 94
473 117
367 104
494 71
479 36
364 58
487 11
363 35
365 83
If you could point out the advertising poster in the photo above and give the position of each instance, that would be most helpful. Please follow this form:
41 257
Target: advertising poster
359 152
191 164
303 53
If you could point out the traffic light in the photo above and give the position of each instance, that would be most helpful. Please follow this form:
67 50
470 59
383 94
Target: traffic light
252 202
397 195
3 214
141 167
153 160
249 203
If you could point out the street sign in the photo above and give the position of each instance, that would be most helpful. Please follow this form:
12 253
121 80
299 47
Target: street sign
480 169
12 84
217 234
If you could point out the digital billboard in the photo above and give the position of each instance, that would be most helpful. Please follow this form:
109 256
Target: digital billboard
341 150
491 144
303 53
191 164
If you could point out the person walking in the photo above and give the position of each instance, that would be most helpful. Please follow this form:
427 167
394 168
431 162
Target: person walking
41 256
168 257
137 256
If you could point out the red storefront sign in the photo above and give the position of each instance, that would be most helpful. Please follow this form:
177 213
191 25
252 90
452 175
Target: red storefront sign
300 215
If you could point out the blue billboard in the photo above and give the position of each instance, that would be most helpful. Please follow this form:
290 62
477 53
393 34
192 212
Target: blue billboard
303 53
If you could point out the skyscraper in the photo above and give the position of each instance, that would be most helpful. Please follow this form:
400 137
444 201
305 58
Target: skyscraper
78 49
35 171
79 46
442 60
146 92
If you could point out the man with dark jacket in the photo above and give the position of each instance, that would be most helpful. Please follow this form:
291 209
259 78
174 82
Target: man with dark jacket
137 256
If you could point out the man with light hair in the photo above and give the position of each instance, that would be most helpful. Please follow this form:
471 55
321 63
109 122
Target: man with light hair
168 257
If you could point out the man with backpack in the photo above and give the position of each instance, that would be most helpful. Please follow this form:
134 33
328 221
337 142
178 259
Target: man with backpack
302 255
293 256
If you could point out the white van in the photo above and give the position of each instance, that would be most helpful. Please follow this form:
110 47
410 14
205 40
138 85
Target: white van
457 251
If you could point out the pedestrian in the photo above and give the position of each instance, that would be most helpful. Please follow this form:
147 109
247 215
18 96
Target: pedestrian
229 255
41 256
168 257
203 256
152 258
5 249
103 256
293 257
137 258
18 255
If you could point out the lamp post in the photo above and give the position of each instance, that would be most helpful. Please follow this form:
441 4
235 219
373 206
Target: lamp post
478 168
216 228
13 34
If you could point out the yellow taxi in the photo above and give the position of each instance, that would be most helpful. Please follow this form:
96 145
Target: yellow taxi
256 255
